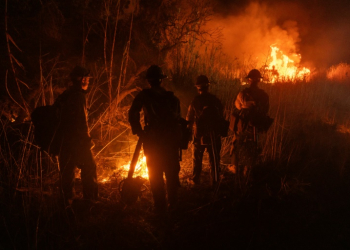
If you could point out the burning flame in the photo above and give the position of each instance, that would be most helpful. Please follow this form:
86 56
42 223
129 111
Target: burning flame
339 73
283 68
140 169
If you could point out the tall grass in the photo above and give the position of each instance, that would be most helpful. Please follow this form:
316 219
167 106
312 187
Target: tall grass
339 72
307 144
309 138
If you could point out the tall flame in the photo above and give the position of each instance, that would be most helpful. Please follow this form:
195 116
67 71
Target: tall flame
282 68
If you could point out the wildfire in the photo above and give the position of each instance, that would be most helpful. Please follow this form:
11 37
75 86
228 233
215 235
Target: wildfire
283 68
140 169
339 73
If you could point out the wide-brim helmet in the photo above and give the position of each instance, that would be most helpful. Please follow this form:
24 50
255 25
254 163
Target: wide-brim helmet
202 81
155 72
79 71
253 74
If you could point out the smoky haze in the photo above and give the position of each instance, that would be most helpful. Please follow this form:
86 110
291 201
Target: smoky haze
317 30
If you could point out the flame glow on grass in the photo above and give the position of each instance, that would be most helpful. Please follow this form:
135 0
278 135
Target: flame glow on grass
122 171
339 73
283 68
140 169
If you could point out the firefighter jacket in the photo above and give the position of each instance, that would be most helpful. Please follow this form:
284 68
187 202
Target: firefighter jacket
195 110
161 110
73 116
253 97
252 104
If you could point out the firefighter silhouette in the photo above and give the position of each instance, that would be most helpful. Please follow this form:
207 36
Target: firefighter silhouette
160 137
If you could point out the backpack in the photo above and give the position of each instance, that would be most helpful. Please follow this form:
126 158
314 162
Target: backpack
161 108
45 120
164 115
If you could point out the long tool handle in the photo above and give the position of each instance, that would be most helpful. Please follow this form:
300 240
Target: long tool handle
135 158
213 147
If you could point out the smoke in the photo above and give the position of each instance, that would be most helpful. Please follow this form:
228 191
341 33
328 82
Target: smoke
319 32
250 34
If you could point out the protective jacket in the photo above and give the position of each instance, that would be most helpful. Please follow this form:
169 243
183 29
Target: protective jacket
253 97
73 126
161 110
199 103
252 104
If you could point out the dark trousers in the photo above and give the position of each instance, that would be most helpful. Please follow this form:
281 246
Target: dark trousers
244 149
157 185
83 159
214 159
163 158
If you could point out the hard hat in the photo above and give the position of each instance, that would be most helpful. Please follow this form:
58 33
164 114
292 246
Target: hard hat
254 73
202 81
155 72
79 71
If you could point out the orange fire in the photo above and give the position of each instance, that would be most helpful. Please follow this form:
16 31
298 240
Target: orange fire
140 169
339 73
283 68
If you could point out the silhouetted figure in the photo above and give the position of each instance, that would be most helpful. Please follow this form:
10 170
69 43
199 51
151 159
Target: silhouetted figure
252 105
204 115
160 136
75 143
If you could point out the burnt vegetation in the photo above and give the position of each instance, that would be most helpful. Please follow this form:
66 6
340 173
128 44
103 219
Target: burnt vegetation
297 196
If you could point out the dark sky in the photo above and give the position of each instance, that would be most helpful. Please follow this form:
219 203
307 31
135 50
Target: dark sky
323 25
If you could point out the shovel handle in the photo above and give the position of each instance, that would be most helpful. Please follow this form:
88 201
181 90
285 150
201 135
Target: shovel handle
135 158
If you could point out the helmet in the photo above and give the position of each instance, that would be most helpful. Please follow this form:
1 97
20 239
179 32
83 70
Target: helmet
155 72
254 73
202 81
79 71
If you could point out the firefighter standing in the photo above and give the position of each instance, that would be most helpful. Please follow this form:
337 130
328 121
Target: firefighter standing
160 137
75 143
252 104
206 135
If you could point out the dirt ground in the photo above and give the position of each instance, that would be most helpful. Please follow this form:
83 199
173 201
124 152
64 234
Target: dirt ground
266 214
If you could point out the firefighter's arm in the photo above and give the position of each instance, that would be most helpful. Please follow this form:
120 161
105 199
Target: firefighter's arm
190 116
134 115
267 104
77 112
242 102
190 121
239 101
178 108
221 108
